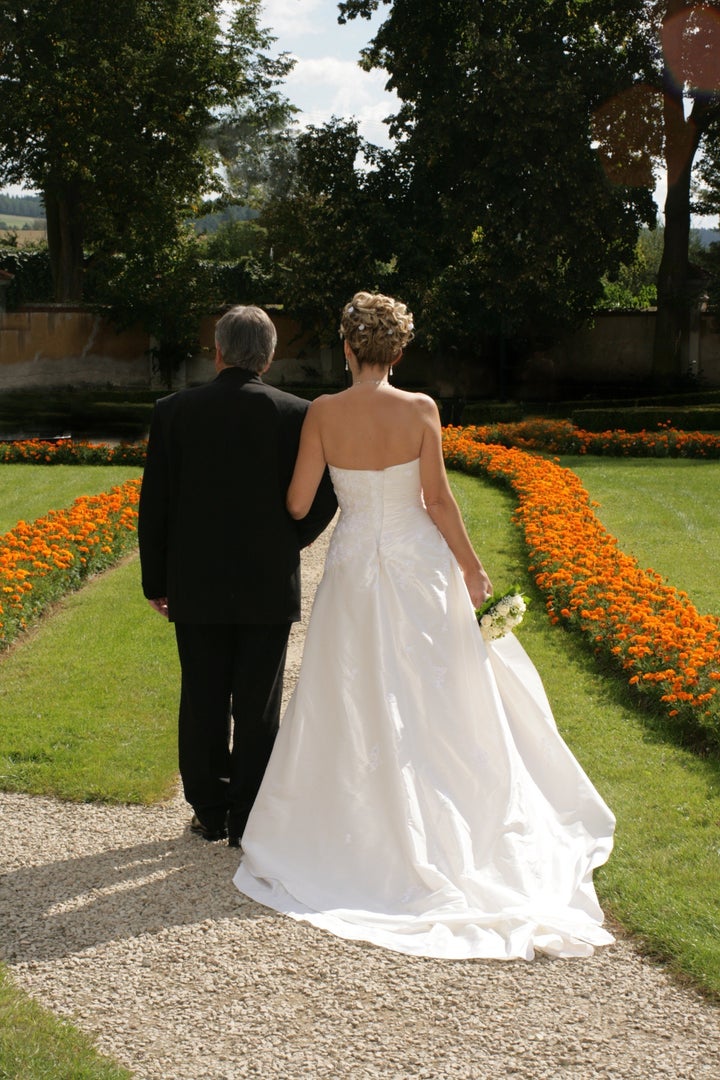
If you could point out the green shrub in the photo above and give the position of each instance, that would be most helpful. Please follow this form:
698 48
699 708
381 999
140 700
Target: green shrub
493 412
648 418
32 278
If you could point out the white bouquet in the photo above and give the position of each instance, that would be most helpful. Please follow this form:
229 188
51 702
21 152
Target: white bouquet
498 617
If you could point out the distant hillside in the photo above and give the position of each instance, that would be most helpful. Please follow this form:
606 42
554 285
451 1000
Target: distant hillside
210 223
28 206
707 236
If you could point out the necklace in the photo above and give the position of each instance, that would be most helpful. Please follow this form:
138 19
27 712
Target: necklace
371 382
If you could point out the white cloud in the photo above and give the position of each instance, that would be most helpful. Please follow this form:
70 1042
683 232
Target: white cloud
329 86
327 80
292 18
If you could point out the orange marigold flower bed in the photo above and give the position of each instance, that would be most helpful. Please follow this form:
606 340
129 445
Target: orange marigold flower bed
647 629
70 452
42 560
551 436
562 437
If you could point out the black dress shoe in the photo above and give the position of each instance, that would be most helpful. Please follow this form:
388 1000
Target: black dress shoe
236 822
197 827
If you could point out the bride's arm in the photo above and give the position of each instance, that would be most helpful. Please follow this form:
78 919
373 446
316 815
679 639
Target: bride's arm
443 509
309 466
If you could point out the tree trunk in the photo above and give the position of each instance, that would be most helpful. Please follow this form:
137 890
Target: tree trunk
64 228
672 323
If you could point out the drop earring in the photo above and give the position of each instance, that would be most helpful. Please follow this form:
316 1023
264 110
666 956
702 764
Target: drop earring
390 373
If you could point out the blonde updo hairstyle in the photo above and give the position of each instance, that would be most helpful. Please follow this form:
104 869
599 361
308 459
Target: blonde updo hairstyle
377 328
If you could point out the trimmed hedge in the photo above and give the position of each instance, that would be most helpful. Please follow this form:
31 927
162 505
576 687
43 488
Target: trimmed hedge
32 277
493 412
100 413
648 418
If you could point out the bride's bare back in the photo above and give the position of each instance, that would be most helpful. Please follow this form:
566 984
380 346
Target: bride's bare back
373 426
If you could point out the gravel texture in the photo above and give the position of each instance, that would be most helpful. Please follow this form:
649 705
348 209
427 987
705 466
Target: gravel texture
120 919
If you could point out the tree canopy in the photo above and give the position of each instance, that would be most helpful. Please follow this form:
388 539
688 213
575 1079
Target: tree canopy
534 129
24 205
104 108
688 70
331 231
509 219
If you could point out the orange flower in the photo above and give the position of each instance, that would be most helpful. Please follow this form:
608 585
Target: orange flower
42 560
632 617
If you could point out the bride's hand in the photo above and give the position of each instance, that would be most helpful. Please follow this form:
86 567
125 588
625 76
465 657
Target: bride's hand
478 585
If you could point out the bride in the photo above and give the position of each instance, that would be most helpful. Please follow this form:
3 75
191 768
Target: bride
419 796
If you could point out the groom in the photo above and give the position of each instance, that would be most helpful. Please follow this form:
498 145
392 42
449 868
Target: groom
220 558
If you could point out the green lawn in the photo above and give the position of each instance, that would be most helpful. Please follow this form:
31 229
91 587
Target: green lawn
661 882
666 513
35 1045
89 699
111 664
29 491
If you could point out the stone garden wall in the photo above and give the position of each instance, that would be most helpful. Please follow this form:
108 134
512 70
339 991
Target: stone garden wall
58 346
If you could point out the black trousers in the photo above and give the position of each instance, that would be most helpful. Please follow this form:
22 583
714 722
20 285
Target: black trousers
230 699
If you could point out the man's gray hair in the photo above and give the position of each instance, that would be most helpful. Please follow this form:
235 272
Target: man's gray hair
246 338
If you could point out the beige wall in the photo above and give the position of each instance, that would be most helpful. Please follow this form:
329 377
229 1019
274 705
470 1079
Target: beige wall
61 347
53 346
618 348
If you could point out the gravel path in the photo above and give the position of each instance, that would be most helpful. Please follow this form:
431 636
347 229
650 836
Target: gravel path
121 920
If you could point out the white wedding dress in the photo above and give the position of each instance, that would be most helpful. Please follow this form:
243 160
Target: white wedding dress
419 796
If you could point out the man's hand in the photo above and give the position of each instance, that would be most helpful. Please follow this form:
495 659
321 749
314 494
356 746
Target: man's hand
160 605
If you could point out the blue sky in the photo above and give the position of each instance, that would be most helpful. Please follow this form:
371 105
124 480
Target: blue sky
326 80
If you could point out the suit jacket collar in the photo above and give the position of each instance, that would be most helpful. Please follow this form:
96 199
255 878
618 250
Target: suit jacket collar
238 375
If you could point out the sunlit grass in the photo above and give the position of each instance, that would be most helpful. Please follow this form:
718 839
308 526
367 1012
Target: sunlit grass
664 512
28 492
35 1045
88 700
661 880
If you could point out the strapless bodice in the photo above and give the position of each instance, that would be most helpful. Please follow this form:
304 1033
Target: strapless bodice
373 492
384 523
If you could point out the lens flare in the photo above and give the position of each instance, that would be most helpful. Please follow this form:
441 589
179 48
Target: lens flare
627 134
691 46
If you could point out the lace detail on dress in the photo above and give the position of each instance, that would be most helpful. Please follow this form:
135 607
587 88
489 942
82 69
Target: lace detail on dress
371 533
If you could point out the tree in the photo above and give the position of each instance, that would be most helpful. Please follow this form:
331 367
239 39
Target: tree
510 220
257 150
104 108
641 78
166 288
635 284
690 74
332 231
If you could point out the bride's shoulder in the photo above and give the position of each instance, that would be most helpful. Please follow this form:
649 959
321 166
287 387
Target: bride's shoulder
423 403
320 404
328 406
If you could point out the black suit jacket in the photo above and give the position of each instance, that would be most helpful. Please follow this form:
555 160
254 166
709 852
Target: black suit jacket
215 537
